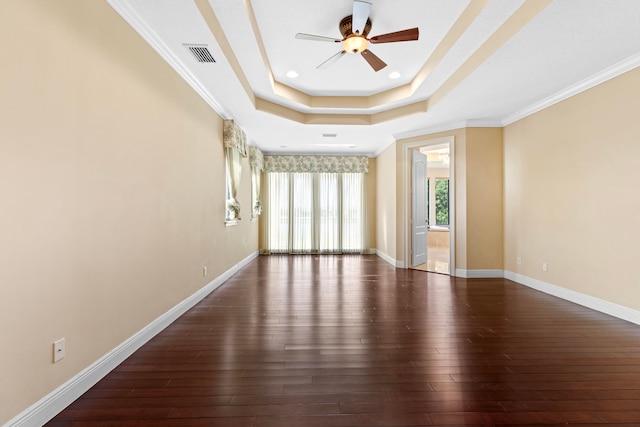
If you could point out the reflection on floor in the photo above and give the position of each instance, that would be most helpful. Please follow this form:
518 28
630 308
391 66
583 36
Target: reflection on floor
437 253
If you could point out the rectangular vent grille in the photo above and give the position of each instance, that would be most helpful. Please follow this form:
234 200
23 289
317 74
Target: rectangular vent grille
329 135
201 53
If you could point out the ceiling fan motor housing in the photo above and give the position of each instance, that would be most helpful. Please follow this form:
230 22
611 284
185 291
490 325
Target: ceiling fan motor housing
346 25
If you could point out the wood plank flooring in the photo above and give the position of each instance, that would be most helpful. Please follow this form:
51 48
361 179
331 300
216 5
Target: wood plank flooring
352 341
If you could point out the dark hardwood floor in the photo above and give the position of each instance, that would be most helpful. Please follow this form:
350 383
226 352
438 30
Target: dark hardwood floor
351 341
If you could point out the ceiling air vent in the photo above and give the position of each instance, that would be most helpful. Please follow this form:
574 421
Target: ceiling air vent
329 135
200 52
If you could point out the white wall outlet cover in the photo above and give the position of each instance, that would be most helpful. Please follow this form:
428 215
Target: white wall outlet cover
58 350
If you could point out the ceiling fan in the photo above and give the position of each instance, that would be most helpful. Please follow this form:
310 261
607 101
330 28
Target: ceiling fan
355 29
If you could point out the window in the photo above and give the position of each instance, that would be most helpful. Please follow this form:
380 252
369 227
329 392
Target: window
278 211
235 147
233 171
256 161
315 212
352 221
301 223
442 201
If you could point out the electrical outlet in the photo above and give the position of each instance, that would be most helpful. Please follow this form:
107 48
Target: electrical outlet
58 350
204 271
519 261
545 267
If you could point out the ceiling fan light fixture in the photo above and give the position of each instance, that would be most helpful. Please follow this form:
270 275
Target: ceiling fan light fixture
292 74
355 43
355 32
394 75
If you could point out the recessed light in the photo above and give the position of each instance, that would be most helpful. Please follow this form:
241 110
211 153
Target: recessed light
394 75
292 74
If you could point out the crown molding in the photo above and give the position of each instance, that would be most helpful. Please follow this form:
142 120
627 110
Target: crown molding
586 84
383 147
483 124
429 130
448 127
133 18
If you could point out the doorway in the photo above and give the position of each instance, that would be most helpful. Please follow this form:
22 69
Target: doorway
439 199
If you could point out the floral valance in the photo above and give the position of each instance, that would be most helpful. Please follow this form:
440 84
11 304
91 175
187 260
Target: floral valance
326 164
256 159
234 137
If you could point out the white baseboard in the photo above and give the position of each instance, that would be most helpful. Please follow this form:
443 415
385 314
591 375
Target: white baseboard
593 303
387 258
50 405
479 274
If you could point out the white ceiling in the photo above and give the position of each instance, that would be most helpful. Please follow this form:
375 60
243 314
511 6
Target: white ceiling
351 75
483 78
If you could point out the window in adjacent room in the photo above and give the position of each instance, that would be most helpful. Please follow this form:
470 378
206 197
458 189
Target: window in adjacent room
442 201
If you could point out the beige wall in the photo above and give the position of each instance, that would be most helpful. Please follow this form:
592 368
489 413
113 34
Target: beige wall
386 202
372 201
571 192
112 189
484 199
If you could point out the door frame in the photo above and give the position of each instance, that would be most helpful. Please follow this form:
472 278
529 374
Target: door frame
406 218
418 222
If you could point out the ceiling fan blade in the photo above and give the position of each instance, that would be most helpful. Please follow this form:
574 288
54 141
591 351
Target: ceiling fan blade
331 60
376 63
398 36
303 36
361 10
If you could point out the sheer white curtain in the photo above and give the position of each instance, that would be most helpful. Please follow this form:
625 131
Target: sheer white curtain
329 231
277 212
301 220
354 218
235 146
315 212
256 161
234 171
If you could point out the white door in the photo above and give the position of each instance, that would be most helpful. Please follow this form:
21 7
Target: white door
419 208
